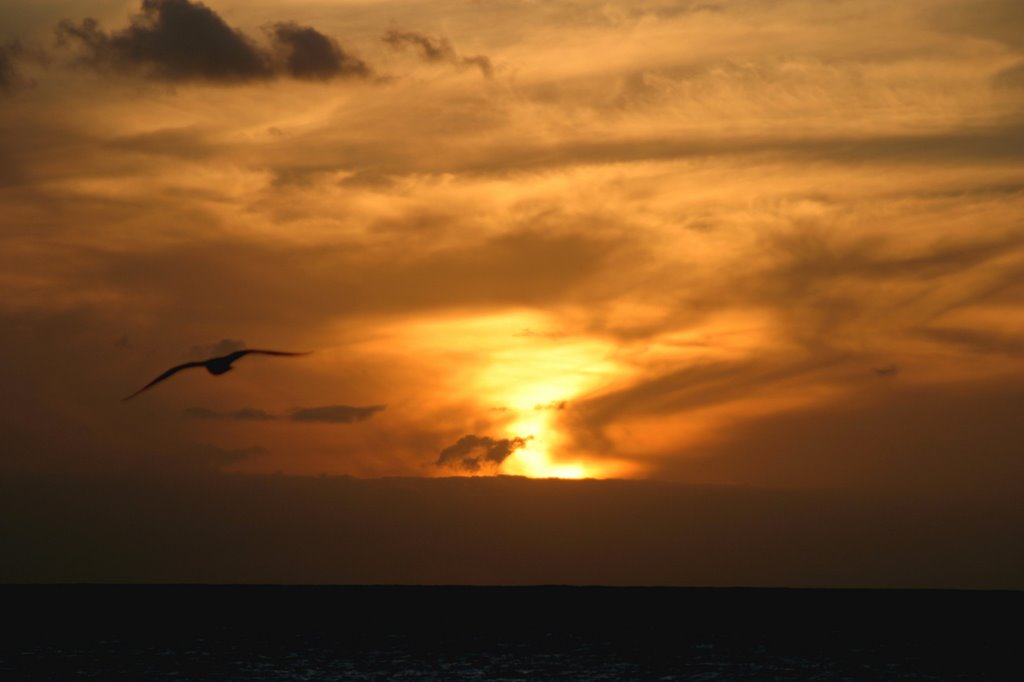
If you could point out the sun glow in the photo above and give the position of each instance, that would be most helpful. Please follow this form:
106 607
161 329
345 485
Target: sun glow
535 459
535 377
524 372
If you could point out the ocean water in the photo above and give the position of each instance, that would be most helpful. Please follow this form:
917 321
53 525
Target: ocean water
512 633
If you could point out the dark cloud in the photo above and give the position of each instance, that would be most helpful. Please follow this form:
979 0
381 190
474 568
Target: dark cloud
336 414
437 50
251 414
471 453
10 76
175 40
180 40
310 55
887 371
243 414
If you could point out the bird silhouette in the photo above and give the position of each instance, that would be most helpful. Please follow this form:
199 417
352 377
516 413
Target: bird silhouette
215 366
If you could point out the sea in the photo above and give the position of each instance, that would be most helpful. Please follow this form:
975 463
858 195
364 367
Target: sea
315 632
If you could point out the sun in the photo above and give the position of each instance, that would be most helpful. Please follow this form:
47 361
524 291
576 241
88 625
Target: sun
535 459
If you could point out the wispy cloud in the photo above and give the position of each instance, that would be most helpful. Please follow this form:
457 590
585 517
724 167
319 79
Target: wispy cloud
437 50
335 414
328 414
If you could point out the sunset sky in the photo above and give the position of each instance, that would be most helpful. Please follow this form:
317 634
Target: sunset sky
771 243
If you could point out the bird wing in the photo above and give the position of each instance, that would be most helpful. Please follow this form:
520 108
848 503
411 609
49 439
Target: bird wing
172 371
242 353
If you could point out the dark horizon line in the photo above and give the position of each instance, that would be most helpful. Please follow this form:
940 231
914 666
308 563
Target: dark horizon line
170 474
466 587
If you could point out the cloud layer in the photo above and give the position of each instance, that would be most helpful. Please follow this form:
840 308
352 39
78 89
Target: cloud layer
690 224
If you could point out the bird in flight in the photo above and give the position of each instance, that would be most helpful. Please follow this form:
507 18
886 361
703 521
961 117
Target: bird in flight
215 366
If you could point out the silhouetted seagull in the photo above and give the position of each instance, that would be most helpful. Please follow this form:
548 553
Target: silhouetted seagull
213 366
